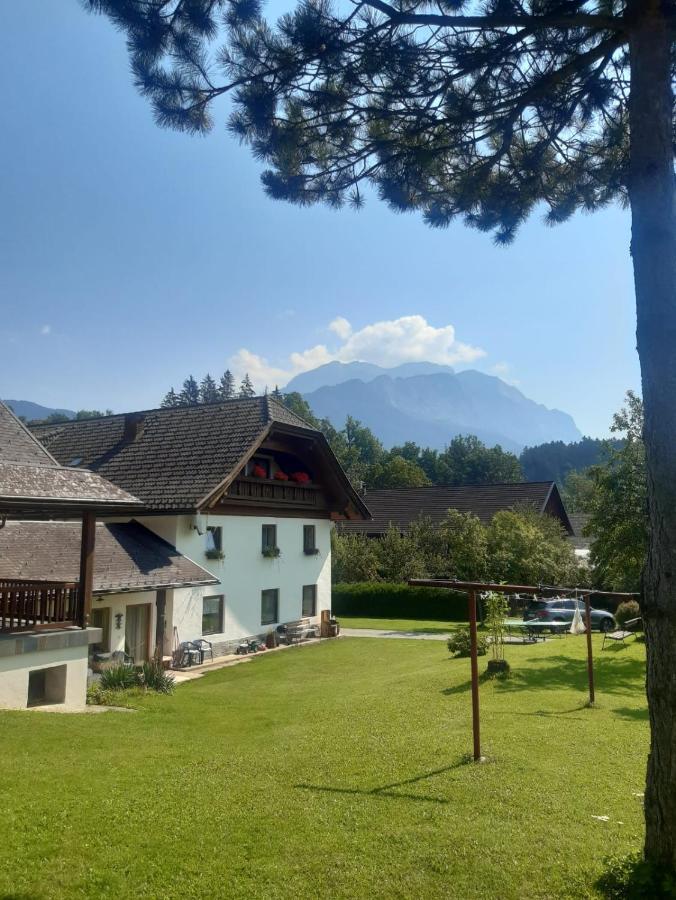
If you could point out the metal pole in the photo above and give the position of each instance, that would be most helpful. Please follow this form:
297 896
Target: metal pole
475 675
590 659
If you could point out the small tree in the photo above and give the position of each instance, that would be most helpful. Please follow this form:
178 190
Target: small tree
208 391
190 395
354 558
497 610
171 398
226 387
246 388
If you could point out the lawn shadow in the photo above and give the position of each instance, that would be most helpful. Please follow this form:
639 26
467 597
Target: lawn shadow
637 714
388 790
616 675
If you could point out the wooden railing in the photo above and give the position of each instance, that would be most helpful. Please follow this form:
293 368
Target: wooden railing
34 605
261 490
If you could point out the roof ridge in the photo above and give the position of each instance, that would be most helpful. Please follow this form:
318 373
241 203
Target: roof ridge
154 409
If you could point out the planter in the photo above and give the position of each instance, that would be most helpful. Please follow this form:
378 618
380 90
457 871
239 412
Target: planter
214 554
498 667
271 552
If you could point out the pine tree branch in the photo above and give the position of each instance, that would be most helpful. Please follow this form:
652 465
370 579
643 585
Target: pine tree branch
487 23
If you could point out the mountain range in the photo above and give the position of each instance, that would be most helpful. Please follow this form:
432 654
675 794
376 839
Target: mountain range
422 402
430 404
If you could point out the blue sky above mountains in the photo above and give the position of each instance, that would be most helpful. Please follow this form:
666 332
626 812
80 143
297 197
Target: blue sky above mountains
131 256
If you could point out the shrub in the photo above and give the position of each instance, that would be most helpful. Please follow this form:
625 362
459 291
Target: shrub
459 643
154 677
96 696
628 609
398 601
118 678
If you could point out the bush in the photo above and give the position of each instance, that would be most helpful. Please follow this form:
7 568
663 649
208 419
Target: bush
459 643
628 609
632 878
398 601
118 678
97 696
154 677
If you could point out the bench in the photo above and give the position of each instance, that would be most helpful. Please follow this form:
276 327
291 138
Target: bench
630 627
300 630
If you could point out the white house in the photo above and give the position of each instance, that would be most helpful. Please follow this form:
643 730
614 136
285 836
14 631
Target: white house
244 489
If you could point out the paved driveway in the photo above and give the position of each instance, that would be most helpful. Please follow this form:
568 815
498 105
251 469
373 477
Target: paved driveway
384 633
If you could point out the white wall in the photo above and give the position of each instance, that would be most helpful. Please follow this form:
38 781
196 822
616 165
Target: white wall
118 603
14 675
244 572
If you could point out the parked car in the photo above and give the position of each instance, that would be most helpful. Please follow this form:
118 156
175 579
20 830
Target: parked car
562 609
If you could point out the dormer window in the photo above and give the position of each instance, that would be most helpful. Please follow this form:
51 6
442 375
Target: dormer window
214 542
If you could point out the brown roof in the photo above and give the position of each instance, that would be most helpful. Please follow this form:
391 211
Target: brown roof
579 522
32 481
401 506
175 458
128 557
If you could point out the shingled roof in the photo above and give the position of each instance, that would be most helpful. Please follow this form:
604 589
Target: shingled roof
402 506
174 458
128 557
32 481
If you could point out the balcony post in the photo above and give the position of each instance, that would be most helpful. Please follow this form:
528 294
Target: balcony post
87 566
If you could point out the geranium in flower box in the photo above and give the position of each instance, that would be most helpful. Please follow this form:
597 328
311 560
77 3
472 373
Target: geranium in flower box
259 472
281 476
300 477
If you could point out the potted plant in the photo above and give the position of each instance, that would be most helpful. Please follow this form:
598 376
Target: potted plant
213 553
281 476
497 609
271 552
300 477
258 472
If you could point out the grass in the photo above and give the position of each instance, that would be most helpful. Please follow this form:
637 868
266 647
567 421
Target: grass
334 770
415 626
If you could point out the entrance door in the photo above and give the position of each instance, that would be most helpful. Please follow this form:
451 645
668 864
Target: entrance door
137 632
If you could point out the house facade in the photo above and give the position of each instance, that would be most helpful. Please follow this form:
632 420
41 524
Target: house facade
243 489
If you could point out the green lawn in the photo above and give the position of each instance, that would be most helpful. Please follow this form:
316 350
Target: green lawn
334 770
418 626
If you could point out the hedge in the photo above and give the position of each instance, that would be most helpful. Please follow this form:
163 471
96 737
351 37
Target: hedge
398 601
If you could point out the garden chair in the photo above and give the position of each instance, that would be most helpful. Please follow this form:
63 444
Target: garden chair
186 654
204 647
631 626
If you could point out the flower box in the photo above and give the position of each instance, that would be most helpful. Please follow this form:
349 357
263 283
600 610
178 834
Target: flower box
281 476
300 477
258 472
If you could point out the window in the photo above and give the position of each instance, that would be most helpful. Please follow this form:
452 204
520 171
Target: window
269 537
310 540
212 615
309 607
214 542
270 606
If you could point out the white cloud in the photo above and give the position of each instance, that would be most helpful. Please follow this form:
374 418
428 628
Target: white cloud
385 343
341 327
46 329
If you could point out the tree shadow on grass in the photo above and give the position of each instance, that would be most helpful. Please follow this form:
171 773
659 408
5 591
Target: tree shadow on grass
388 790
637 714
616 675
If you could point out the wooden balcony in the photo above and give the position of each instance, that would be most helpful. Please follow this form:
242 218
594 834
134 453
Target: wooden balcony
267 492
36 605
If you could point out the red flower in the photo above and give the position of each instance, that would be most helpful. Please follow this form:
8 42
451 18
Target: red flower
259 472
281 476
300 477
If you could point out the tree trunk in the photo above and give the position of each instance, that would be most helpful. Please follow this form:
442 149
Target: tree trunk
653 246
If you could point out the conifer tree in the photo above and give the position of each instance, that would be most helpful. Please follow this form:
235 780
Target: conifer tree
277 394
190 395
226 386
208 391
246 388
477 109
171 398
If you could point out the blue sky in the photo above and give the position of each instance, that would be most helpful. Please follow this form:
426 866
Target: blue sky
131 256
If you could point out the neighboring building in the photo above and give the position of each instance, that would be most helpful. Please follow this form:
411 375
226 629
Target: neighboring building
402 506
580 541
243 488
133 570
44 623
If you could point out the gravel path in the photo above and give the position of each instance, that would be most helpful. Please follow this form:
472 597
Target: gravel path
383 633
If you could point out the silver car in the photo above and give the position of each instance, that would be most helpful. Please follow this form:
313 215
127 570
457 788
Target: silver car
562 609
